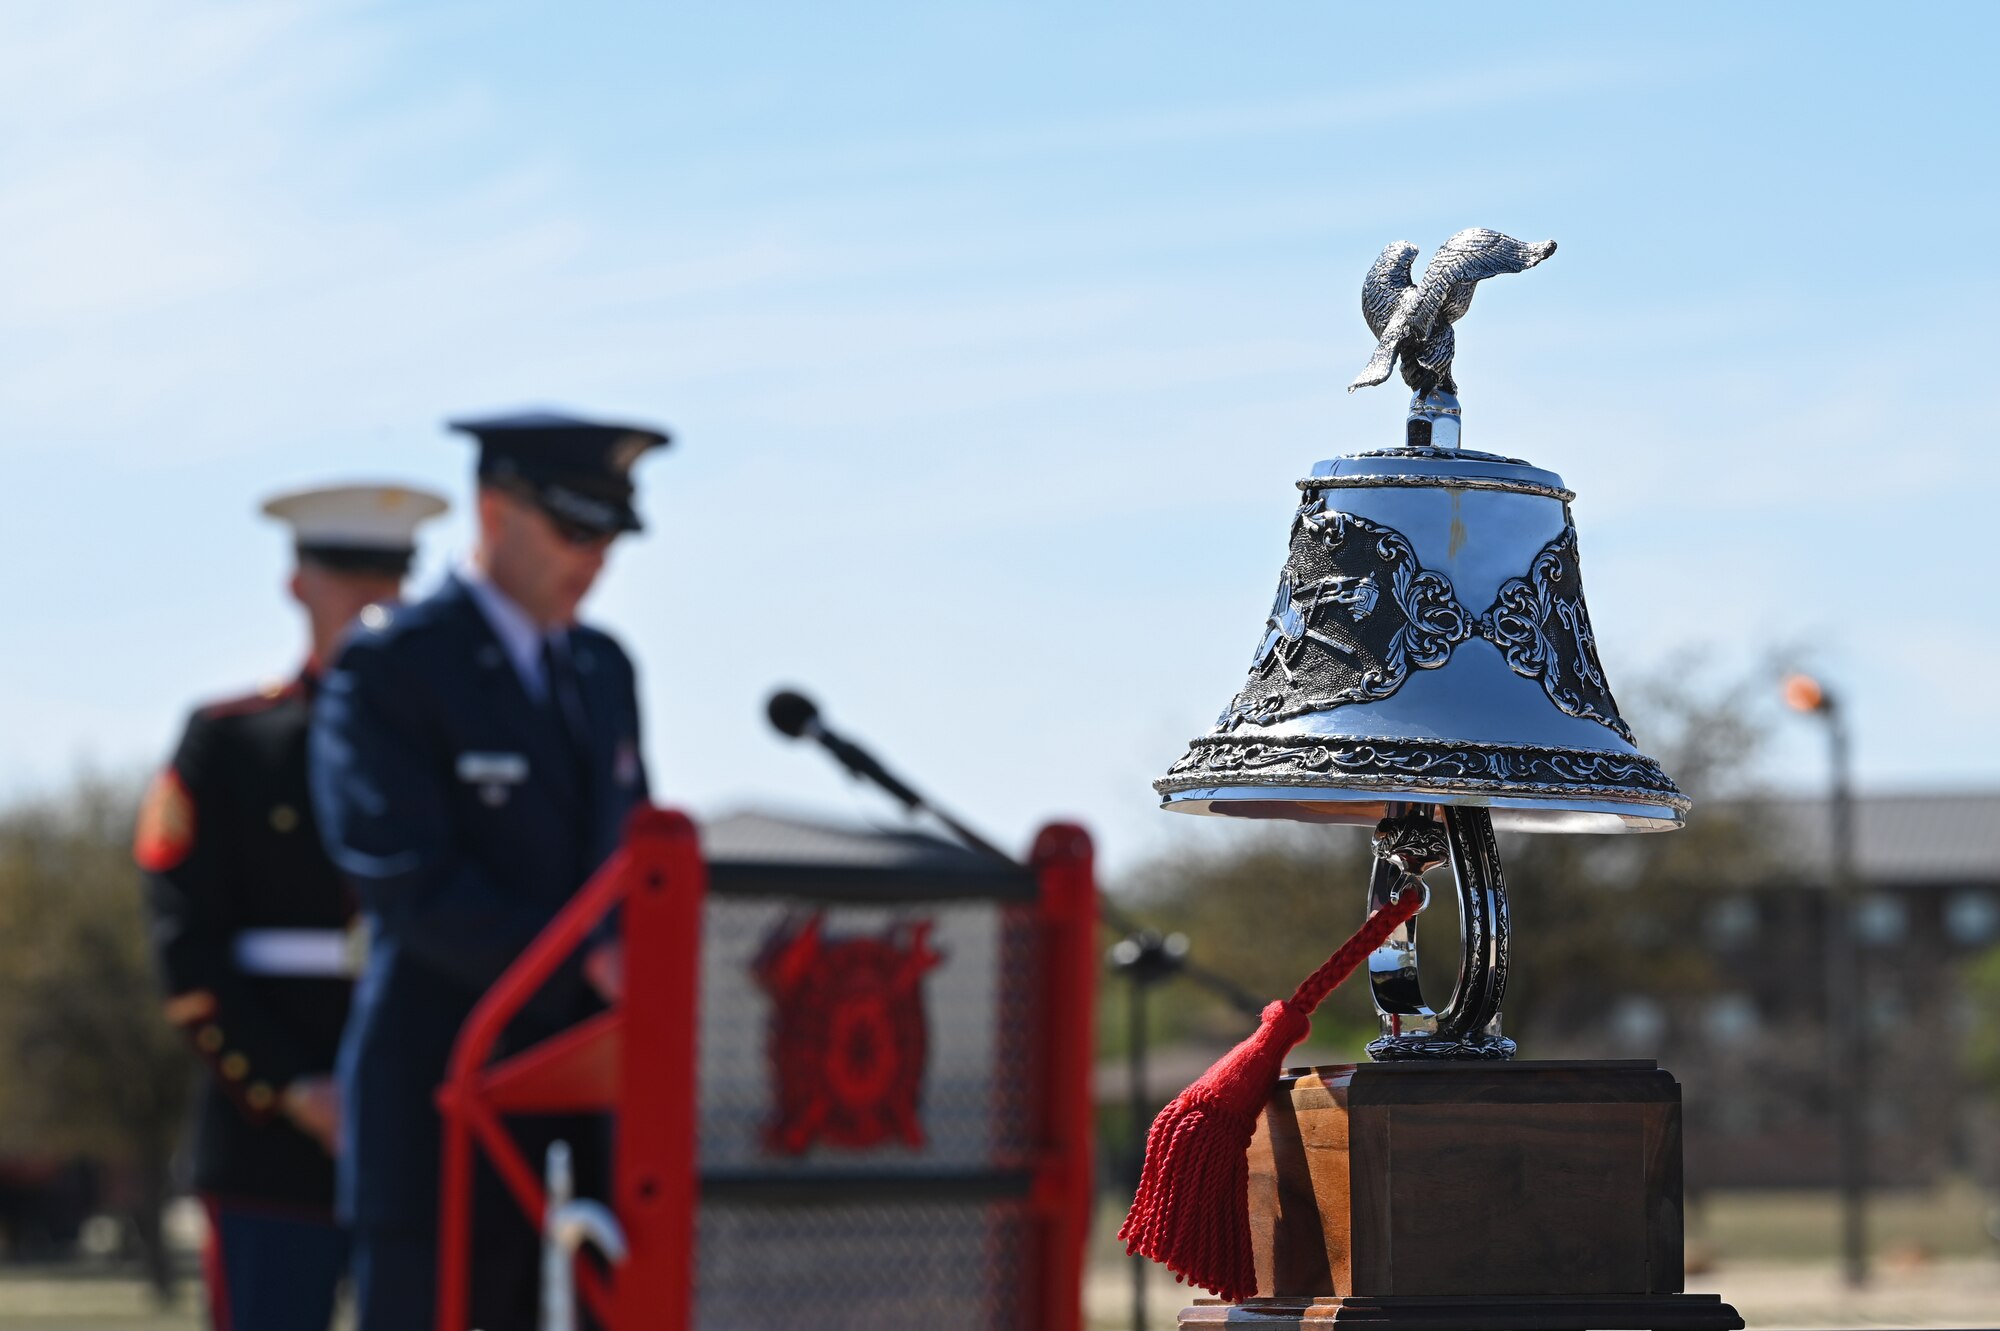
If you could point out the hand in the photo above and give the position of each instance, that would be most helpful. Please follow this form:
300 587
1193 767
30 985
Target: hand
604 967
313 1103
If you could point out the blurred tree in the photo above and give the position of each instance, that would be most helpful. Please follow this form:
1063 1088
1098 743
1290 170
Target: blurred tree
1598 916
94 1070
1982 1045
1262 905
1982 1072
1593 916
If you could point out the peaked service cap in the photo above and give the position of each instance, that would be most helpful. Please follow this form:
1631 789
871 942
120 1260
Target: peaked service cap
356 528
579 471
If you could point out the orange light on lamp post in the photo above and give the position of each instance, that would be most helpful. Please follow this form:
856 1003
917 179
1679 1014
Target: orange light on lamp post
1804 694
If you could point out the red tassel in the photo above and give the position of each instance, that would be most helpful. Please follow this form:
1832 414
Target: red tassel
1191 1213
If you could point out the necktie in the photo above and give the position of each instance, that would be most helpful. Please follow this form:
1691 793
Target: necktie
565 701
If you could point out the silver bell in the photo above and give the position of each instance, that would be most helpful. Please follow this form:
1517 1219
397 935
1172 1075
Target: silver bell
1428 665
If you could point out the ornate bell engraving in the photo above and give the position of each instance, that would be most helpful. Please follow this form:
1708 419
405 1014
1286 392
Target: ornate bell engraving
1333 636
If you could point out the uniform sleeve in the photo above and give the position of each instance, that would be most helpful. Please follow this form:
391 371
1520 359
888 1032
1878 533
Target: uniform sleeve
380 795
188 870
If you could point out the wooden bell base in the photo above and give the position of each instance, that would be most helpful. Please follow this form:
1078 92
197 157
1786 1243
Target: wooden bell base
1577 1312
1470 1196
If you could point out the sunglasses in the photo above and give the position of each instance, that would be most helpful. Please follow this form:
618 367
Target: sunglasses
571 532
576 533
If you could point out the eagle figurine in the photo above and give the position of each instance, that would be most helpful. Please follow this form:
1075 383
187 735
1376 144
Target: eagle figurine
1413 322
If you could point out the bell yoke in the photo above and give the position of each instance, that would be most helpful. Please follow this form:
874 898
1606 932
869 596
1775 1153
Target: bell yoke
1429 652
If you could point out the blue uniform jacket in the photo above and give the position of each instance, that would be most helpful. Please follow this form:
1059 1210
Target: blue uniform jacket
449 800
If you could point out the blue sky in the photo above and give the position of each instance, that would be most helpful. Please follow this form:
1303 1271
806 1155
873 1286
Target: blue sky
993 338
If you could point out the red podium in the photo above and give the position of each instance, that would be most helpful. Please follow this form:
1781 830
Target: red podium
639 1062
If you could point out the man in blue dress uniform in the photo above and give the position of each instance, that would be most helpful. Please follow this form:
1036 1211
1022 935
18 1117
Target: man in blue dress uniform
249 923
474 759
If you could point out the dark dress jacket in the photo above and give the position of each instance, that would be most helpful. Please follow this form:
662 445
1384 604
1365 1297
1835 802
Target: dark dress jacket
227 840
463 818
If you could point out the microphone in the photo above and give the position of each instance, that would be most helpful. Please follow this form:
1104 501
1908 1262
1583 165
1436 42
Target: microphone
792 713
797 716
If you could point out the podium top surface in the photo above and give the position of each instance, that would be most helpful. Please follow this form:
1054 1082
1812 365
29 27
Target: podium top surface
761 854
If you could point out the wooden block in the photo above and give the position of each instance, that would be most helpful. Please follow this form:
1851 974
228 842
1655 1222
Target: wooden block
1481 1180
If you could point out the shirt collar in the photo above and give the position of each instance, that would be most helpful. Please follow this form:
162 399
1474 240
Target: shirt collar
520 637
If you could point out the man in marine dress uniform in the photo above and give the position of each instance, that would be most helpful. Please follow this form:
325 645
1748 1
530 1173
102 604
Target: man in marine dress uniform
248 922
474 760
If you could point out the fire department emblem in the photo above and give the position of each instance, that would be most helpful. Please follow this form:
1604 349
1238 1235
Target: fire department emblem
848 1038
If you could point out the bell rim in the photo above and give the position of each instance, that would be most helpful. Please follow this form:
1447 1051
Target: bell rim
1308 769
1514 811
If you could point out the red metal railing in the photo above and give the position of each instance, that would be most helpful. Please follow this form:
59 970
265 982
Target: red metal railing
637 1061
1063 1177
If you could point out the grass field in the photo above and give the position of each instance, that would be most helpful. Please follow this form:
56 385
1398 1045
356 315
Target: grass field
1770 1254
1904 1228
91 1296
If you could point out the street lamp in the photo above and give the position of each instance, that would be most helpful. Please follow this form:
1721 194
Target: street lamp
1846 1048
1147 959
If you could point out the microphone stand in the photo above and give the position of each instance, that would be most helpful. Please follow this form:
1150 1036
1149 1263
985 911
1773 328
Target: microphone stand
1142 955
797 718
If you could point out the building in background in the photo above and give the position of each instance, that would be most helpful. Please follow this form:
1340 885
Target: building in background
1752 1047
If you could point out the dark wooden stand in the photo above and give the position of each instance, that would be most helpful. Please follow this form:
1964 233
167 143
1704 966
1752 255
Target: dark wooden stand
1451 1196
